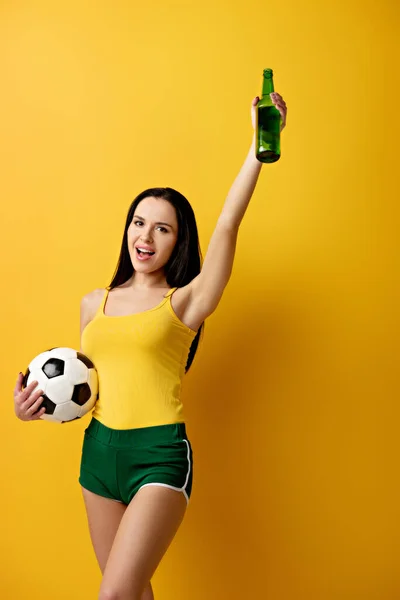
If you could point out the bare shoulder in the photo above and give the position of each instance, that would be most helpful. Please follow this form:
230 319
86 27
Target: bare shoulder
92 299
90 302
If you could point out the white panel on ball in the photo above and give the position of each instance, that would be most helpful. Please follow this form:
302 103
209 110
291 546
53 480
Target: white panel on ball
63 353
47 417
40 376
59 389
67 411
76 371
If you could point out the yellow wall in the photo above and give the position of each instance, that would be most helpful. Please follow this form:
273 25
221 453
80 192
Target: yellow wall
292 401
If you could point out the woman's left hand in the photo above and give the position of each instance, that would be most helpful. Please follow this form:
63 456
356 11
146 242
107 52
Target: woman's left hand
278 102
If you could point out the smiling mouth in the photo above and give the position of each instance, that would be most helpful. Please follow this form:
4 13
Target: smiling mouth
144 254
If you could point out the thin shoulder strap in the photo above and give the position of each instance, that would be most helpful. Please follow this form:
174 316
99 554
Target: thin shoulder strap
100 310
170 292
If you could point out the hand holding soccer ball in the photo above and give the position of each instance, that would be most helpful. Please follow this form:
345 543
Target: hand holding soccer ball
68 387
28 401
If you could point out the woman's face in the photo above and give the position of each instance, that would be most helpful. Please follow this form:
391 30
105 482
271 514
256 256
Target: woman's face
154 227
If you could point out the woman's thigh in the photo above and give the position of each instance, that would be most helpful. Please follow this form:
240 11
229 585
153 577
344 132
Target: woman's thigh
104 516
147 529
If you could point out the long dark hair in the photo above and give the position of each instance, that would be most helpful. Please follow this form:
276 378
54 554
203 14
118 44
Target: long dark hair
186 259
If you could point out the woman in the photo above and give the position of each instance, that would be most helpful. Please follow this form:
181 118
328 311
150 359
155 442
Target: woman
142 333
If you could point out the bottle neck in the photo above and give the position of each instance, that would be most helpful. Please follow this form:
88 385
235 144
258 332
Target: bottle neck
268 86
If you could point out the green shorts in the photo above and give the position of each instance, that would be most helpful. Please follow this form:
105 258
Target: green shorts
116 463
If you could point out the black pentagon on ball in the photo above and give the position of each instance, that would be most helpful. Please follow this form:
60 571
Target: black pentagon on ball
54 367
48 404
81 393
86 361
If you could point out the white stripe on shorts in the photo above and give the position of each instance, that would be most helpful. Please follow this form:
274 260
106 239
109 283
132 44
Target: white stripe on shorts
183 488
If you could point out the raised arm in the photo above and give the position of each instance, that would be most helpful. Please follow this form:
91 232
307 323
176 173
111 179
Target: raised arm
207 288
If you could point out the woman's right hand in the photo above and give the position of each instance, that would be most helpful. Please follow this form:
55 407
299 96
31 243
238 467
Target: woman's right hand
27 401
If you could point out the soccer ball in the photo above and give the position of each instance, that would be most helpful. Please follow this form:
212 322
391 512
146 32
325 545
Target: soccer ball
68 380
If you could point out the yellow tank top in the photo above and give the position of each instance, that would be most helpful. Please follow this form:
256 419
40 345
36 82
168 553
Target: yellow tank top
140 360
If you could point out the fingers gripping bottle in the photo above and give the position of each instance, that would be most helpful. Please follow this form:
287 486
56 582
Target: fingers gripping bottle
268 128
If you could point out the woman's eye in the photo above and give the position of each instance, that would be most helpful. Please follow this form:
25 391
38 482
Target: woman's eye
163 228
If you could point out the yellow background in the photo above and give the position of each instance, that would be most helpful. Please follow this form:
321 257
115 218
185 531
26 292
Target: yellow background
292 402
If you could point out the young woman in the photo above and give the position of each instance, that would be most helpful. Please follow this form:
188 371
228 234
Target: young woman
142 333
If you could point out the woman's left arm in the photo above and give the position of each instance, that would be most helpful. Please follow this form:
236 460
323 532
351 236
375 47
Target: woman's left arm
207 288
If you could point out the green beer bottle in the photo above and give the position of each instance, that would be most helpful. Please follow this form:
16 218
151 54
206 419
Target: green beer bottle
268 130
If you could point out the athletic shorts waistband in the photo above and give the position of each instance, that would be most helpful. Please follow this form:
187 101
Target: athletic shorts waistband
140 436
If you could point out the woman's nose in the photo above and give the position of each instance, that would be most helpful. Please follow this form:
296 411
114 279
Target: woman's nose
146 235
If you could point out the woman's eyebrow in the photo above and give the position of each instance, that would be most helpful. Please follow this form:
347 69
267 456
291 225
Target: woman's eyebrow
158 223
